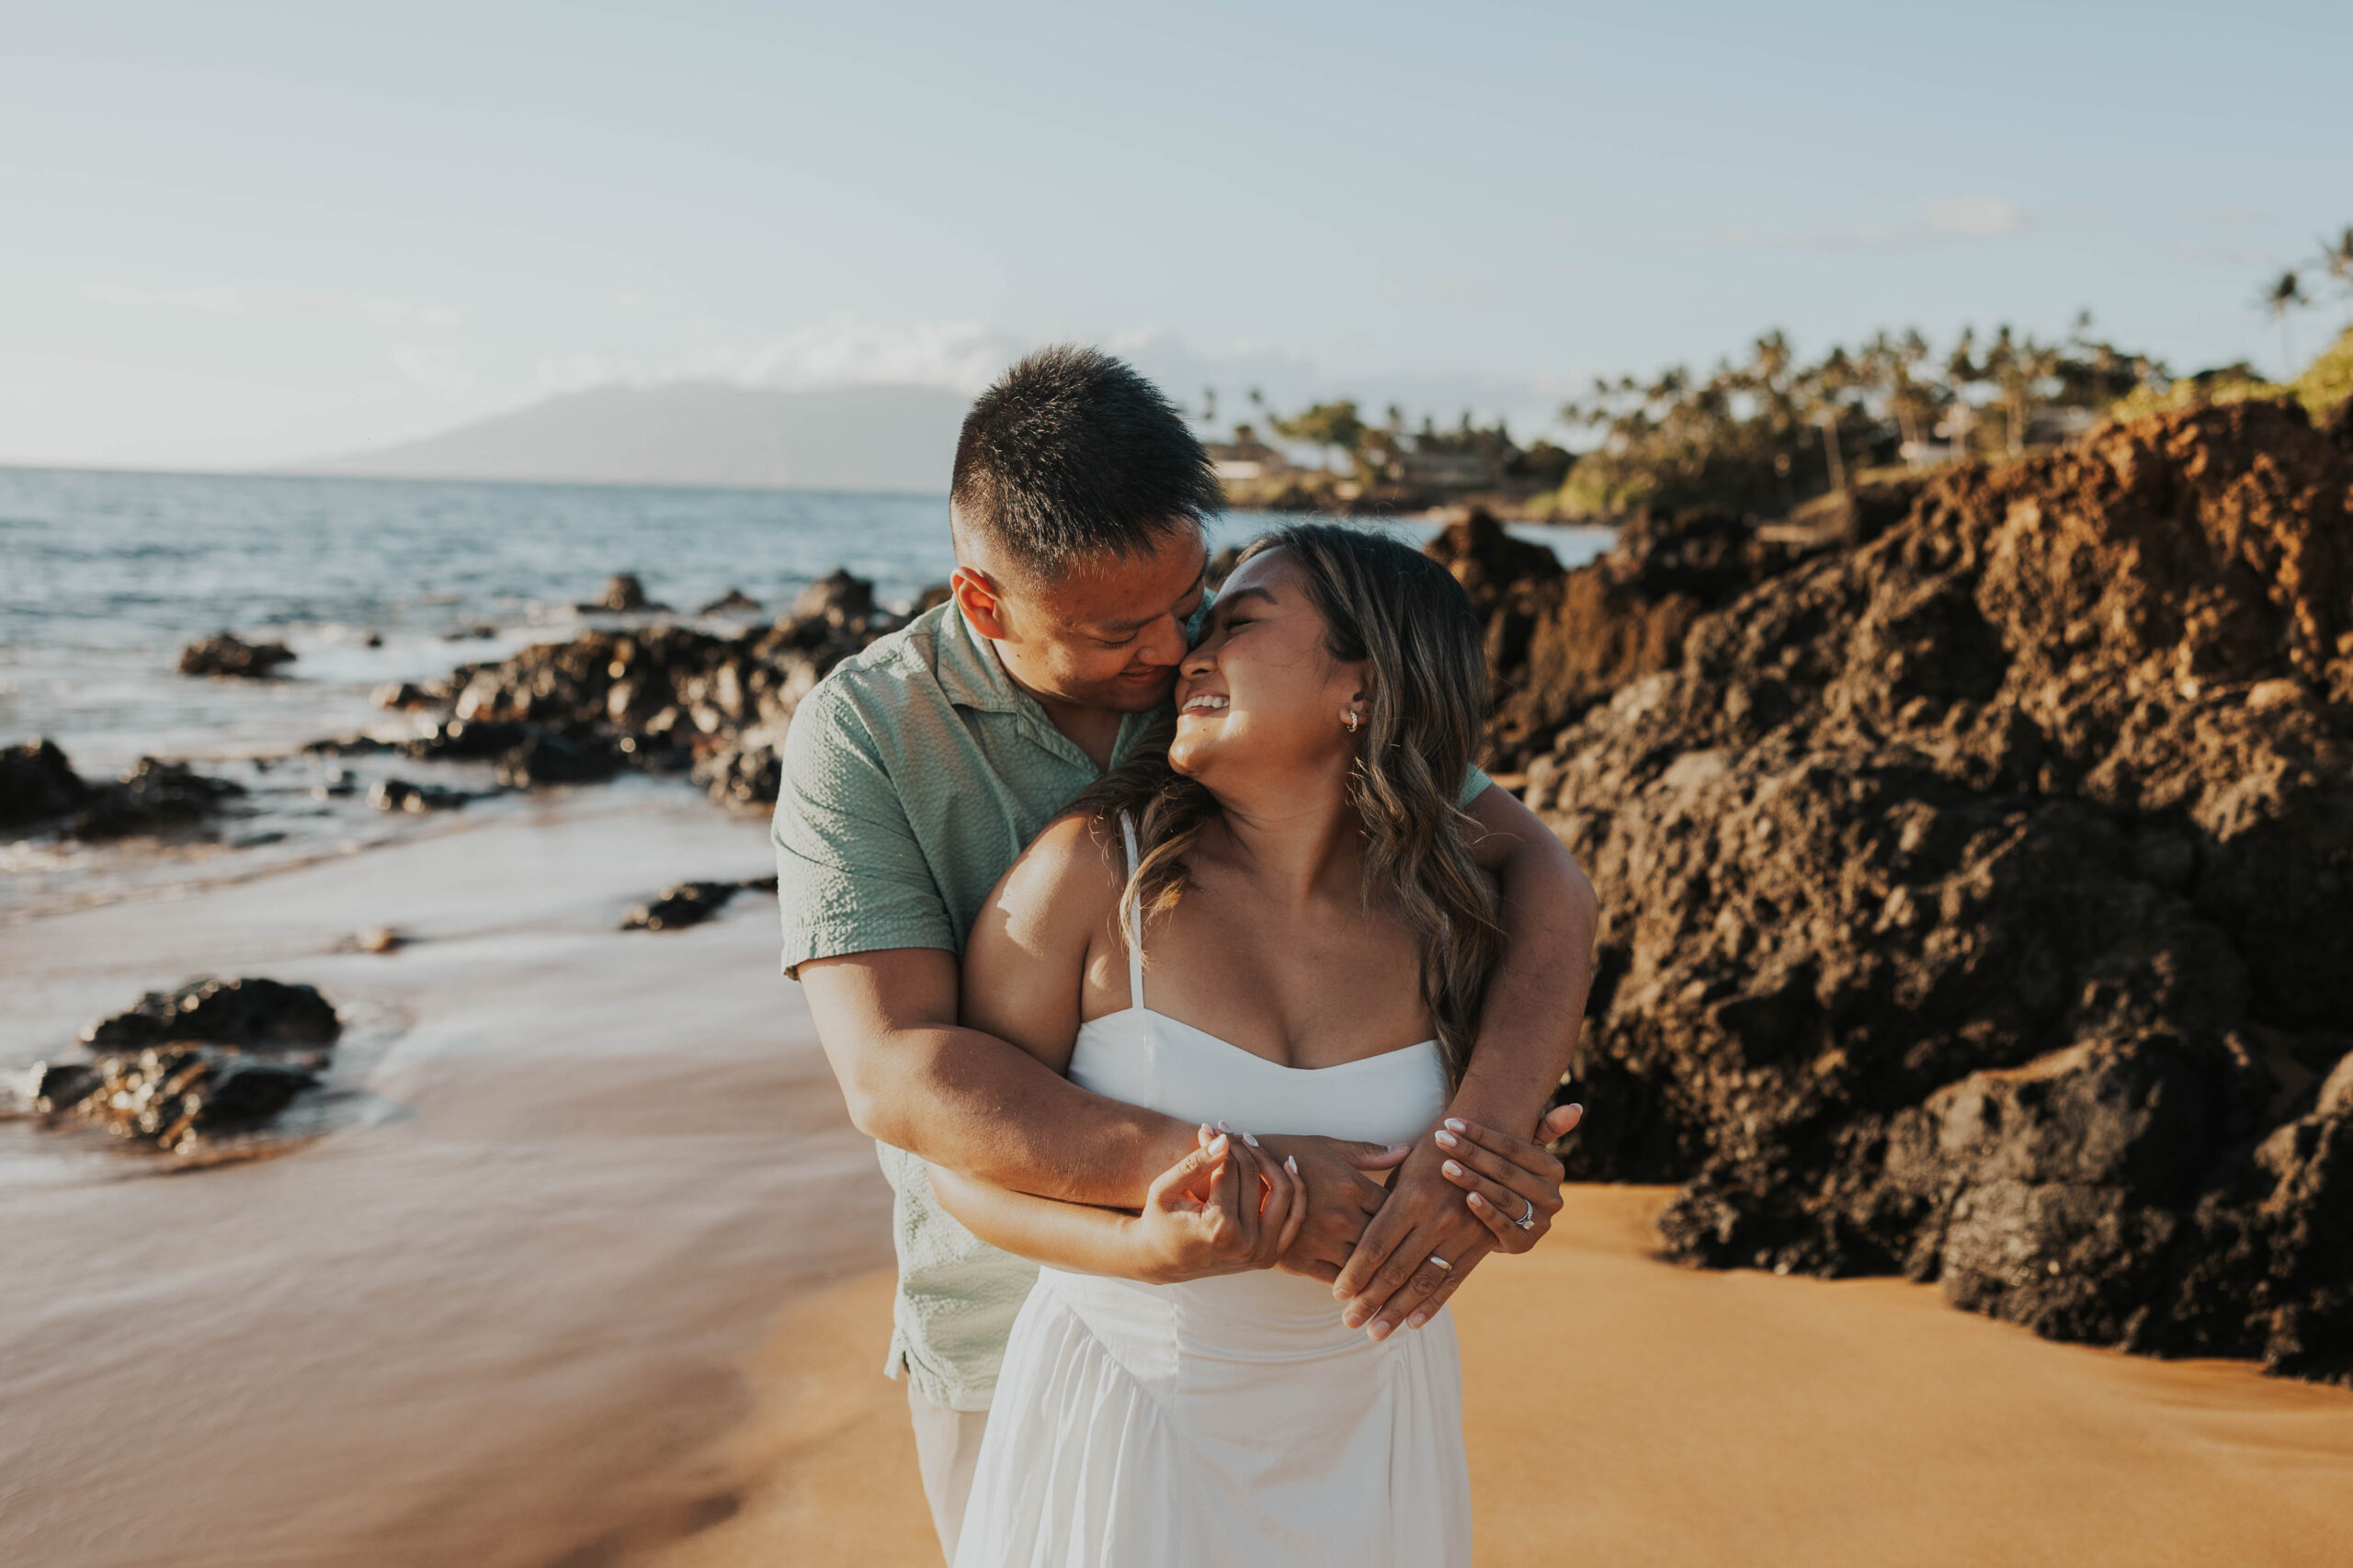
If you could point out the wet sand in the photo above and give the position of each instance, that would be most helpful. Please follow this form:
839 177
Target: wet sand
1623 1413
494 1322
596 1276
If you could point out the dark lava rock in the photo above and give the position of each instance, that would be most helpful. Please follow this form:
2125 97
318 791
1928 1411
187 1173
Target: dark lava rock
213 1058
37 784
400 795
1558 641
836 597
662 697
548 757
39 789
171 1098
625 594
226 654
257 1014
1977 898
401 694
689 904
741 773
734 601
152 797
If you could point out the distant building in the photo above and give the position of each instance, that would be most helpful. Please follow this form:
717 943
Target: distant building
1245 457
1447 470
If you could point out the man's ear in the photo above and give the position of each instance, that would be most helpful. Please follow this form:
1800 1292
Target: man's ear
978 598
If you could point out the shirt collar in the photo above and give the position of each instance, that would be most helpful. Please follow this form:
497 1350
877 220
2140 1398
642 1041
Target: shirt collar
973 676
969 670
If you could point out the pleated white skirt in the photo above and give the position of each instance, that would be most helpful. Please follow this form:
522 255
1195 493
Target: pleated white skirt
1230 1421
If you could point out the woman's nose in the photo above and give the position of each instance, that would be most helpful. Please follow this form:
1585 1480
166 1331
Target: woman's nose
1201 660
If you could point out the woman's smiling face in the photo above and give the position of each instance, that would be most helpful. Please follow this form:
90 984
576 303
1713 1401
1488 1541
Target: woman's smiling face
1263 691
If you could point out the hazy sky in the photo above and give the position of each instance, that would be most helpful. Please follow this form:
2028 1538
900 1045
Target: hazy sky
241 233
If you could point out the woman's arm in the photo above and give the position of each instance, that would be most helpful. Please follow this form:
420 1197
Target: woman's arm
1053 914
1224 1208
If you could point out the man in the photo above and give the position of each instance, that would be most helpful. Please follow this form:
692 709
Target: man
917 771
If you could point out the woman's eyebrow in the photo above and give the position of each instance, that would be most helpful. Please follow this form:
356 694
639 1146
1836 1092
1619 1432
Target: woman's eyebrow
1228 600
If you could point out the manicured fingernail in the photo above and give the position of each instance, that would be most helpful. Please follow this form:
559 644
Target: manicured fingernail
1222 1127
1453 1169
1247 1139
1475 1201
1378 1331
1217 1144
1457 1124
1446 1140
1290 1163
1418 1320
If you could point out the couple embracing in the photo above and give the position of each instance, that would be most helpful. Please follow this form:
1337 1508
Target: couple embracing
1203 997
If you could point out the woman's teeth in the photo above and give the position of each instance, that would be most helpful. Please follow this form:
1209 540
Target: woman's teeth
1207 702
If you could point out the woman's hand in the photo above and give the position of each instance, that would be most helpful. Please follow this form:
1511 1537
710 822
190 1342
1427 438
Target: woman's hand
1224 1209
1509 1179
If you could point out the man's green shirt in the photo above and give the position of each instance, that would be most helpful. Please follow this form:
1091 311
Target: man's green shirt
914 773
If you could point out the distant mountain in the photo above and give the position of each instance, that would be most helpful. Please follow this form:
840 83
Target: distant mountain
865 437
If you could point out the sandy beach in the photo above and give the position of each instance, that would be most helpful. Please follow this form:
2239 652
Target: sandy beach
593 1271
1624 1411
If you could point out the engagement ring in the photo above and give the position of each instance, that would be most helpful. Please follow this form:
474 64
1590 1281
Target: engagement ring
1527 1221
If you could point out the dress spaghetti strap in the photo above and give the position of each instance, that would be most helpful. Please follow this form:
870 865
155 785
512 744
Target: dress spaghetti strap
1135 919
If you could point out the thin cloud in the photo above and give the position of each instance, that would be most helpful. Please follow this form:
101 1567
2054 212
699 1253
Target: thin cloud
1936 220
436 367
1973 216
250 301
961 356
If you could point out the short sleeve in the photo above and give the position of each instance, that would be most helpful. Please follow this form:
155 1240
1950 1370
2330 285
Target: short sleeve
850 876
1475 784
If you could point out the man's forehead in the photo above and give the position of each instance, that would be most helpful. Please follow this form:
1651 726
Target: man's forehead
1136 592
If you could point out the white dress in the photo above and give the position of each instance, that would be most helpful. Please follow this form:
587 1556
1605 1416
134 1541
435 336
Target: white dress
1235 1420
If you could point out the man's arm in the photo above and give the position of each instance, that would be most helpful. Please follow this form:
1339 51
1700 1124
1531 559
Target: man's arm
969 1101
1526 1031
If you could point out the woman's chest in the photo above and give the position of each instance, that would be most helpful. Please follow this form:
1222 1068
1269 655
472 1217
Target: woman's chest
1308 990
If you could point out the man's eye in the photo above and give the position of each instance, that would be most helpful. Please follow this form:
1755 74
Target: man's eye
1117 641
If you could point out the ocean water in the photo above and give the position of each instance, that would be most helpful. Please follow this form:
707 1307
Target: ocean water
107 576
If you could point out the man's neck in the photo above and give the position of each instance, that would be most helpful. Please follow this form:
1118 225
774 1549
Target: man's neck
1095 731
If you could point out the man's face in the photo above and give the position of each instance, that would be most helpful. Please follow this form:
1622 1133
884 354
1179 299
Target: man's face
1106 636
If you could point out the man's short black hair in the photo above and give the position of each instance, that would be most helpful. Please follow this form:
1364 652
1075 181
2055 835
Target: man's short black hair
1072 456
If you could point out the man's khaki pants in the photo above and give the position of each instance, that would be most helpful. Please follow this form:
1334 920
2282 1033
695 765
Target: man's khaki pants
948 1444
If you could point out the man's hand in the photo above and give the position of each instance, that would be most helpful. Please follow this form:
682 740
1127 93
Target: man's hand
1390 1279
1342 1197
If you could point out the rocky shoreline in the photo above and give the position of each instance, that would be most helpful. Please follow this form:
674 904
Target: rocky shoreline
1976 856
1977 878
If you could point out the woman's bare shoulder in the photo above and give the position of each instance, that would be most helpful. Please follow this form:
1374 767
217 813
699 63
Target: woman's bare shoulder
1065 886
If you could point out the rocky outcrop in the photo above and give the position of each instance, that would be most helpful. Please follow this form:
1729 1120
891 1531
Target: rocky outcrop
734 601
39 790
662 697
689 903
37 785
253 1014
624 595
1559 641
1978 897
215 1059
226 654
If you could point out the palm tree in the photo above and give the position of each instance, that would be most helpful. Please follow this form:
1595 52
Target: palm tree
2337 255
2285 295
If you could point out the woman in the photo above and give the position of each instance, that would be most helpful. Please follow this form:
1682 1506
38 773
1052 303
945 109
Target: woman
1292 881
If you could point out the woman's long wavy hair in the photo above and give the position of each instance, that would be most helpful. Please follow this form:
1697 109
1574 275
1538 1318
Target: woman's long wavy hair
1389 606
